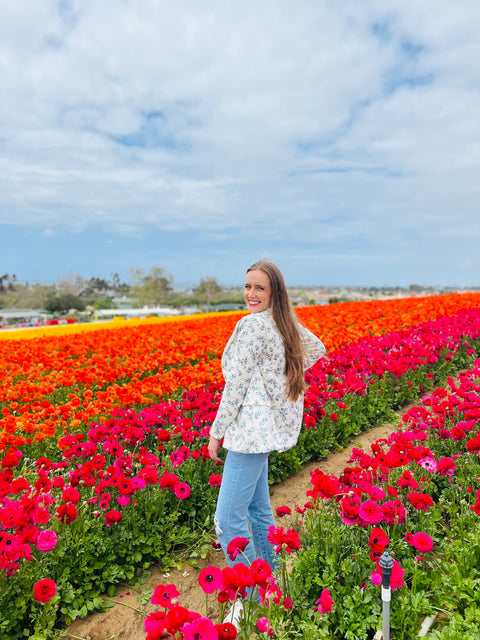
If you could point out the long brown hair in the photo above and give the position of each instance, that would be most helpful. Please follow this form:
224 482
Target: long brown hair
287 324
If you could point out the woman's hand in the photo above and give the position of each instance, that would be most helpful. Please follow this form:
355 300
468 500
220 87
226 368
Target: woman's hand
213 447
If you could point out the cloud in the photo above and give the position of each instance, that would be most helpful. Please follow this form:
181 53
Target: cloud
343 124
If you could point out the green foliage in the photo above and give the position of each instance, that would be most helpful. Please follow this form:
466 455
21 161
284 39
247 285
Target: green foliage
63 303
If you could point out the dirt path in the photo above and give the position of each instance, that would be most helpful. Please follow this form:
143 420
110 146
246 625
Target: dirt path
122 622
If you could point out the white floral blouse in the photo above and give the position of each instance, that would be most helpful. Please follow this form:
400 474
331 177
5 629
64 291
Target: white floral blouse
254 415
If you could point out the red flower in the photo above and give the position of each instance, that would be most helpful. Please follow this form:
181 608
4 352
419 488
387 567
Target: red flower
420 501
66 513
283 511
168 481
165 595
199 629
260 570
112 517
446 466
333 417
290 539
210 579
378 540
215 480
177 617
155 622
44 590
70 494
226 631
236 546
236 579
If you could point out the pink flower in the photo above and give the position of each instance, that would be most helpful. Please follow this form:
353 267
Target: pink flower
155 621
46 540
182 490
210 579
422 542
44 590
199 629
325 602
165 595
264 626
446 466
428 463
370 512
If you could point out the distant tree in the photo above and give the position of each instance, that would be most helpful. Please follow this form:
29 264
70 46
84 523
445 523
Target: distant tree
208 289
64 303
72 284
153 288
8 282
27 296
117 285
98 285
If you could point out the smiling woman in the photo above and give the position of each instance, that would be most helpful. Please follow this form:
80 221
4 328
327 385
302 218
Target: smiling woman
261 408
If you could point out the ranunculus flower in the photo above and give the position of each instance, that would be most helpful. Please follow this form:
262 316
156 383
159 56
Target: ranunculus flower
264 626
261 571
420 501
370 512
210 579
46 540
226 631
182 490
422 542
155 621
283 511
66 513
215 480
165 595
44 590
112 517
446 466
378 540
325 602
70 494
235 546
396 577
199 629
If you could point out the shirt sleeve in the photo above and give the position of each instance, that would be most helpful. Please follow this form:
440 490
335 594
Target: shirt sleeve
314 347
247 347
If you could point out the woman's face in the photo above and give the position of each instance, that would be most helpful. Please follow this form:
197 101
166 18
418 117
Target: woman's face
257 292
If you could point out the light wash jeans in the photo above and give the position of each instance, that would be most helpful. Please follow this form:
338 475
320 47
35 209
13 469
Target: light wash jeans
244 500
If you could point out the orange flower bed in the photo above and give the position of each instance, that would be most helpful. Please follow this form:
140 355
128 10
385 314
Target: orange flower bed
56 379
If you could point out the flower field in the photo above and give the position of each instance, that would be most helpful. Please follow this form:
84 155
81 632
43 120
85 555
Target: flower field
104 469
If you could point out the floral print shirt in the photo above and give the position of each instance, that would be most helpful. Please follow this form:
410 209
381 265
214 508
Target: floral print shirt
254 415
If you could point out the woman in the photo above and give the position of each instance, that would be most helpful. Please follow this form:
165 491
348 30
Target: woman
261 408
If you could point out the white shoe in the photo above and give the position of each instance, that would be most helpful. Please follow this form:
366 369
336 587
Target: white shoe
235 614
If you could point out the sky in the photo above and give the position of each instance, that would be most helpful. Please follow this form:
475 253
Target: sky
339 139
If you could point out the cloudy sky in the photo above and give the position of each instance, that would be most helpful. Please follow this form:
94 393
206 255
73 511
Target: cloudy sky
341 139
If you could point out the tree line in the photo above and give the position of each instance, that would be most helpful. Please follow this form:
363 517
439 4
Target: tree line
152 289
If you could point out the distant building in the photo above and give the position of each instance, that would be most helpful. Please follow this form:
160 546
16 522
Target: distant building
22 316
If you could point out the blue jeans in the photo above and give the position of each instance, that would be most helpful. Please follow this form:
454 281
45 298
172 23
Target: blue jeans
244 500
